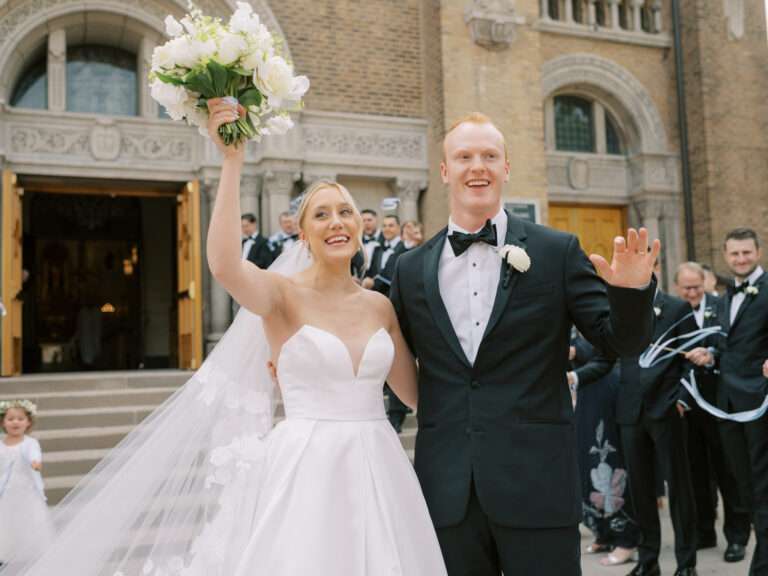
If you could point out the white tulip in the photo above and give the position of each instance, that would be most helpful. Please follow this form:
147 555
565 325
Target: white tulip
189 25
231 47
274 77
182 52
244 20
162 57
172 27
277 125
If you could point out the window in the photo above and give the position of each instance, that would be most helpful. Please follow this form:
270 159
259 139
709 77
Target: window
31 91
612 140
102 80
574 126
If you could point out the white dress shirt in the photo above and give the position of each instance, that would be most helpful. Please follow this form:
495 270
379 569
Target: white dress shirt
737 299
388 252
247 245
698 314
468 284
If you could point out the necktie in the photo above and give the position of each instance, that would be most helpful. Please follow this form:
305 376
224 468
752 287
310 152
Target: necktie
460 242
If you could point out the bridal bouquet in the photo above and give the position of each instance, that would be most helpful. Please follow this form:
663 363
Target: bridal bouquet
240 60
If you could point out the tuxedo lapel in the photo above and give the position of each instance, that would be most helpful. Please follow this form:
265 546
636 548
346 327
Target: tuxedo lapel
515 235
435 302
748 299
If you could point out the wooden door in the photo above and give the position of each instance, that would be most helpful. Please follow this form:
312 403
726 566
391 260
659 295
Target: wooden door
595 226
190 298
12 275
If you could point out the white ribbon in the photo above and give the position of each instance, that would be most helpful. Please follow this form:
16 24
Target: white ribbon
663 349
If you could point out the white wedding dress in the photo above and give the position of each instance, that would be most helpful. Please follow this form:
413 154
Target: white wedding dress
207 485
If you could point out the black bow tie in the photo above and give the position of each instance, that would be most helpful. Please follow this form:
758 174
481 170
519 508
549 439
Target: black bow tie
367 239
292 237
733 289
697 307
460 242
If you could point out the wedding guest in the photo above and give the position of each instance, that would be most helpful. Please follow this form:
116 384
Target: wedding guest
286 237
709 469
255 246
413 234
742 386
652 431
372 236
607 506
379 274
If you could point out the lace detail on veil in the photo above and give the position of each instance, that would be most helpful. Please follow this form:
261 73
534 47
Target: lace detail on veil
164 501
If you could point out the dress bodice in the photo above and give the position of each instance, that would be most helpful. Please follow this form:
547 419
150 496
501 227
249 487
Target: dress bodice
318 380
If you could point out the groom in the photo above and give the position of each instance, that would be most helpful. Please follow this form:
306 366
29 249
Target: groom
496 448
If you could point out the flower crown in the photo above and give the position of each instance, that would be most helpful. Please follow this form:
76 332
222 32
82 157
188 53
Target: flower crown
26 405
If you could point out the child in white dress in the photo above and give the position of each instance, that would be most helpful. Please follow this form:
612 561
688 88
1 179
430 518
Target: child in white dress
25 523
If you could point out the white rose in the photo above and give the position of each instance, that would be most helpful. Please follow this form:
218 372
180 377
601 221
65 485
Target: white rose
277 125
172 27
516 257
162 57
172 98
182 51
231 47
274 77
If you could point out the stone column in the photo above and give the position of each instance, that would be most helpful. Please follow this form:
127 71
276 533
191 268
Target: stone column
545 10
599 116
220 305
637 21
148 108
408 192
614 6
249 196
57 70
648 212
656 10
592 14
569 11
277 189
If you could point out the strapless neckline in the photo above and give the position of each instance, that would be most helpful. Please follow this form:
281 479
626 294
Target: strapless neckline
354 369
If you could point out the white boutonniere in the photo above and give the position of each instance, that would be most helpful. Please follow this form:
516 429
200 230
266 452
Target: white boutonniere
709 313
752 290
513 257
657 311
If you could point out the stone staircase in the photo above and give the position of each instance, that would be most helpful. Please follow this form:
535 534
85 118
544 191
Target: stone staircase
81 416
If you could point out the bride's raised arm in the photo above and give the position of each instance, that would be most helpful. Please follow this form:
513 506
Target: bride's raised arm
257 290
402 376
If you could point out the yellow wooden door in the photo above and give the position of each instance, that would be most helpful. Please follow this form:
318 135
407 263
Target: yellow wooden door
190 298
12 275
595 226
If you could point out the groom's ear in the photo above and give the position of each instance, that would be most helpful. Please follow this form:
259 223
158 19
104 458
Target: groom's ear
444 171
506 170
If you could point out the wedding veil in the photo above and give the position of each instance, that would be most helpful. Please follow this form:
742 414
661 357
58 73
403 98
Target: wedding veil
186 470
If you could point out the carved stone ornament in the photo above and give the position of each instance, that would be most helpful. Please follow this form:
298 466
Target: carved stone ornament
492 22
105 142
578 173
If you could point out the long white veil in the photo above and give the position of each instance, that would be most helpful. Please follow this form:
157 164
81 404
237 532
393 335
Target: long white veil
186 470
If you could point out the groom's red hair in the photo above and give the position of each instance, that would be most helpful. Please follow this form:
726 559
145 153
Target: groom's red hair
475 118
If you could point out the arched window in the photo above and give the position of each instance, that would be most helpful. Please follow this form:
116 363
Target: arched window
612 140
574 126
102 80
31 90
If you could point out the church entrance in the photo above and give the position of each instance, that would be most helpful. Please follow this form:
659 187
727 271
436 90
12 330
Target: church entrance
99 275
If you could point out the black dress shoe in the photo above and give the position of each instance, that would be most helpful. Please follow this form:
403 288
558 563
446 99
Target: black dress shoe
734 553
646 570
690 571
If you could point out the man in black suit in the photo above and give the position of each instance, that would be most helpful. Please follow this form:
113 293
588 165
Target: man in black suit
255 246
742 386
372 236
496 447
709 469
382 266
653 430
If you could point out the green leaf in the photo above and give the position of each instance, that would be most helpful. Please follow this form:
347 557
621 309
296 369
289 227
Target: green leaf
198 80
168 79
219 76
251 97
241 71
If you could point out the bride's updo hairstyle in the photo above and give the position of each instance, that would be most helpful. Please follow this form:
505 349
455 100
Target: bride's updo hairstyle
322 185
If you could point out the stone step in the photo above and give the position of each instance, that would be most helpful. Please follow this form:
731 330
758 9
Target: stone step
91 417
73 400
42 383
81 438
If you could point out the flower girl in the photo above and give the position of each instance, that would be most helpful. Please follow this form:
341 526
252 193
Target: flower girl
25 524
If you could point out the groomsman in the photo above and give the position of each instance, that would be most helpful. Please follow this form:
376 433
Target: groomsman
379 274
286 237
255 246
708 462
742 384
372 236
652 431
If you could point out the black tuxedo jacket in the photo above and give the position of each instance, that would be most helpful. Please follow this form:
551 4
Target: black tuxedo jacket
654 391
260 253
743 351
382 276
506 423
706 377
589 364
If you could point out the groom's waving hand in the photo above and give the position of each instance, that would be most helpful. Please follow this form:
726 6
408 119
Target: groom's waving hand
487 307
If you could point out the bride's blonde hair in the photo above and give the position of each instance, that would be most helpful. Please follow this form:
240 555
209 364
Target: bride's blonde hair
314 188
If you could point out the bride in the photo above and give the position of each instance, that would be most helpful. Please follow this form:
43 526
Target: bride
207 487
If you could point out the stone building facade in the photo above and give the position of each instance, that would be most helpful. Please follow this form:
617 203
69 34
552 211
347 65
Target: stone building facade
584 90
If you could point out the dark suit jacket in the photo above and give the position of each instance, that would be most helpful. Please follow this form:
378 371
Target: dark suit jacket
589 365
706 377
743 351
654 391
260 253
506 423
382 276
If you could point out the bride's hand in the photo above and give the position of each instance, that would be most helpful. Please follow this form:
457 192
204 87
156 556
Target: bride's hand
221 112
